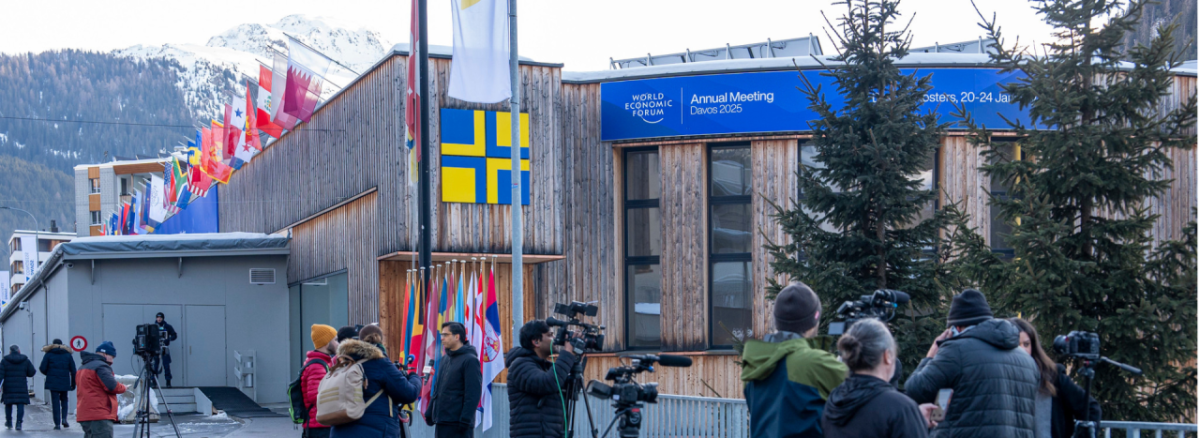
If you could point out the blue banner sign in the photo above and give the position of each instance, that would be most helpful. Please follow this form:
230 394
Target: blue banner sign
768 102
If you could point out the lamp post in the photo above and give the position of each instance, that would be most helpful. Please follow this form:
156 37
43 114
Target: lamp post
37 255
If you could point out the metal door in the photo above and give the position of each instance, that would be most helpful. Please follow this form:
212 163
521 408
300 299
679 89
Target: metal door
120 326
205 346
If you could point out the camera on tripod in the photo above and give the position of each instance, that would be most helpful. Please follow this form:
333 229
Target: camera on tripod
591 335
880 305
627 394
1084 345
149 340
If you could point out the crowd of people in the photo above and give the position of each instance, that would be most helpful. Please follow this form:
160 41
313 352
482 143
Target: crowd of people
982 377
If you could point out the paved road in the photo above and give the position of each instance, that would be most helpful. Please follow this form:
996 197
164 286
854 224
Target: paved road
37 425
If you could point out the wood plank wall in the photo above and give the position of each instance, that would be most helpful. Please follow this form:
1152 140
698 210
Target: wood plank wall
961 182
684 211
775 180
341 239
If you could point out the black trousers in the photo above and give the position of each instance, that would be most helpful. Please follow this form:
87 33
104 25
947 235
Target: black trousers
58 402
165 361
452 431
8 413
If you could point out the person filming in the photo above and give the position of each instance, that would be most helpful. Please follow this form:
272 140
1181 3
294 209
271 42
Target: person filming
165 359
535 384
865 405
1059 400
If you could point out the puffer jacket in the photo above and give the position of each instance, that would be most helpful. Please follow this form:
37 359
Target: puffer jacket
994 383
15 368
534 393
59 368
98 389
310 380
381 419
787 383
457 388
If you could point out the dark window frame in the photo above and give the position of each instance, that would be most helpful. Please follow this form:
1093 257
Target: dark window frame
1005 251
627 205
714 258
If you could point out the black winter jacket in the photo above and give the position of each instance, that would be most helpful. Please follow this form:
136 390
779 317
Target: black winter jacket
866 407
1070 403
994 383
457 388
15 368
59 368
534 393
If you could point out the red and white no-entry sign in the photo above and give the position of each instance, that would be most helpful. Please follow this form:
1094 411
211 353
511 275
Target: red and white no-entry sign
79 343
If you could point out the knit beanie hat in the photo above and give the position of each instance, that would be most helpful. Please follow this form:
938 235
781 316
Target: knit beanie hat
160 315
57 341
797 309
369 330
321 335
968 308
347 332
108 348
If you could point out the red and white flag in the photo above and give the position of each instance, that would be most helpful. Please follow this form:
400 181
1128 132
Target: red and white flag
306 69
278 95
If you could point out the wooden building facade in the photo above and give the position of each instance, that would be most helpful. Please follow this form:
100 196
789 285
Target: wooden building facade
666 235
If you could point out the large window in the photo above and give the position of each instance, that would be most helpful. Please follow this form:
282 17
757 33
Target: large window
730 219
96 220
95 185
1000 230
643 247
320 300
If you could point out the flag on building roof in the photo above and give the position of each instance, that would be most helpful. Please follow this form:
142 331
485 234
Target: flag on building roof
156 205
305 74
278 95
479 70
412 97
264 78
210 158
251 122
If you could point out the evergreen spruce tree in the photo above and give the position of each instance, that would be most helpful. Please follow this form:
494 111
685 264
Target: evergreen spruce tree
858 226
1091 157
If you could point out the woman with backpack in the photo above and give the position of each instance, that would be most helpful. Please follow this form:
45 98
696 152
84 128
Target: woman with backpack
386 387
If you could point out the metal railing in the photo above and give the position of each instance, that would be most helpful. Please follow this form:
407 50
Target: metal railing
682 416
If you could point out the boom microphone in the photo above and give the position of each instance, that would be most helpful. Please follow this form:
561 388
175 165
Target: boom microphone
670 360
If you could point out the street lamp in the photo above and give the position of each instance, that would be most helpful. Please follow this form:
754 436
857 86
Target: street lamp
37 255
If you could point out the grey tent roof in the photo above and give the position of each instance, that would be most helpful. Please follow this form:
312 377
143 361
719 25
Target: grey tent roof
174 245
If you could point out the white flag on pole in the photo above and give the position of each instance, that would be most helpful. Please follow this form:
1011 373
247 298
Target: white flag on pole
29 256
479 69
158 207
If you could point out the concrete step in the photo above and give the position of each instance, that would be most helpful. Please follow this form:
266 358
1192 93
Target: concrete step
168 392
178 399
180 408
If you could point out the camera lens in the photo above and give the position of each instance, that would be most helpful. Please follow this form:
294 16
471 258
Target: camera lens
1060 345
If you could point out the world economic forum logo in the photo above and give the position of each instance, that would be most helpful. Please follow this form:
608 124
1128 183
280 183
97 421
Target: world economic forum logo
650 107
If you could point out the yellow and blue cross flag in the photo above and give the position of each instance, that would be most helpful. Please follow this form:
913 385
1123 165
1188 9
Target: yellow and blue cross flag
477 157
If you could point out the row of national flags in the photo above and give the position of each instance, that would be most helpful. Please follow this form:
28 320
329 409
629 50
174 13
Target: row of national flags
463 292
287 94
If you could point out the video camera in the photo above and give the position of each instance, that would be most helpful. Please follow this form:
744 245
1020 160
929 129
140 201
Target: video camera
627 394
881 305
592 335
1084 345
149 340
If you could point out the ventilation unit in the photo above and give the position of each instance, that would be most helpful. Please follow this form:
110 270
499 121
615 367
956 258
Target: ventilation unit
262 276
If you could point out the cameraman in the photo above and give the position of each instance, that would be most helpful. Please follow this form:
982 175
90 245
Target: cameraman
787 380
535 395
994 383
866 405
166 353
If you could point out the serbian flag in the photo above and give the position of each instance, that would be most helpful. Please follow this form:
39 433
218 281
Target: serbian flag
278 95
491 352
479 70
305 69
412 100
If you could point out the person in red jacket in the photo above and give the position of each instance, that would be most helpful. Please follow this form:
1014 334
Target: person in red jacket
316 365
96 406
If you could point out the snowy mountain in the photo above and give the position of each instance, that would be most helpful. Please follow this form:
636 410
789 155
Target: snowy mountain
207 74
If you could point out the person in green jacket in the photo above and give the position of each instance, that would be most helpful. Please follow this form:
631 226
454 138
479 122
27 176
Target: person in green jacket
787 378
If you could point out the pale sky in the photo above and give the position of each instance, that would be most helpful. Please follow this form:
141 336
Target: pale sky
582 35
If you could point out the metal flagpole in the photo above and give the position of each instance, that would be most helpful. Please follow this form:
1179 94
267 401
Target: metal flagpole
426 244
518 299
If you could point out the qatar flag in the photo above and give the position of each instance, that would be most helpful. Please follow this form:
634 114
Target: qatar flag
306 69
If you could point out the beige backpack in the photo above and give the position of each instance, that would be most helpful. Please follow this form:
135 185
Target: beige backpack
340 395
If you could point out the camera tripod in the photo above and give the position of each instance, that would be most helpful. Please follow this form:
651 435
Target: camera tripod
148 377
573 390
1087 429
